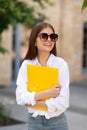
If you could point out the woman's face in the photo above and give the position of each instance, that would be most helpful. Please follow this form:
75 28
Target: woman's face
47 44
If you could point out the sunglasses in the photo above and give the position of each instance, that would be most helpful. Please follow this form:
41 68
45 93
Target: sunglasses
44 37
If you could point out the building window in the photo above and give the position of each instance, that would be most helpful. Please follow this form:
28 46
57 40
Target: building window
85 48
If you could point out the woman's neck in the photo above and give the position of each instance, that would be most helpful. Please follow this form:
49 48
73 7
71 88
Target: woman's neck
42 58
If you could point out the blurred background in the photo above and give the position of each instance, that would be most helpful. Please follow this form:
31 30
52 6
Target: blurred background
16 21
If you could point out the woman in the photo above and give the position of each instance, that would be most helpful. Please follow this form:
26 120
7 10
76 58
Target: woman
42 52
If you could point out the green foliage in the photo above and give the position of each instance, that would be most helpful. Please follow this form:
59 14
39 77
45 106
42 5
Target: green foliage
3 113
41 2
84 5
15 11
3 50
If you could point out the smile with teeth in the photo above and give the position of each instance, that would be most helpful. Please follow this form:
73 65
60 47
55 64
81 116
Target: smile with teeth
47 44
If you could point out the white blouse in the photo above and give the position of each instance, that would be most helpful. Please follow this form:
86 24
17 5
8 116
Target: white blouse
23 96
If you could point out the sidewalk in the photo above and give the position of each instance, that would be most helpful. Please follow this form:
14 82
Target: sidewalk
76 114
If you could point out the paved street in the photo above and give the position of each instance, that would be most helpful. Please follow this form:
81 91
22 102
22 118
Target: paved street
76 114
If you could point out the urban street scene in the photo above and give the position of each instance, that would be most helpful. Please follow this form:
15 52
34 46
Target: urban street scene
43 65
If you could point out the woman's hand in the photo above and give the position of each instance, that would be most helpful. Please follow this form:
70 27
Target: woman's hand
54 91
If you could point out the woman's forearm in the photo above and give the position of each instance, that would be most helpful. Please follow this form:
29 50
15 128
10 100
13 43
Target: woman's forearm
38 103
41 95
41 104
52 92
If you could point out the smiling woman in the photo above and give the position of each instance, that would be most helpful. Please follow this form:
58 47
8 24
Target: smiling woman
42 52
45 42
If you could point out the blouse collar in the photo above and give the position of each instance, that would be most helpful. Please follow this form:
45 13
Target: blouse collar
49 61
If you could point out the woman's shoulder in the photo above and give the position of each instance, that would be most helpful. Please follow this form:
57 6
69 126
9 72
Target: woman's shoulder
25 62
59 59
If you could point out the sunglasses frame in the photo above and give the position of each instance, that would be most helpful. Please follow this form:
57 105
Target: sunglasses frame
47 36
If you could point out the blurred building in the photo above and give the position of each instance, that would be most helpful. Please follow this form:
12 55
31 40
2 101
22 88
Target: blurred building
71 25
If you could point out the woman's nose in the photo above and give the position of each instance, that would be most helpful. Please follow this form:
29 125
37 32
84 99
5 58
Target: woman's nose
49 38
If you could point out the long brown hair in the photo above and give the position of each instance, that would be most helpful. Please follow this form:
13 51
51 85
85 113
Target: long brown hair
32 50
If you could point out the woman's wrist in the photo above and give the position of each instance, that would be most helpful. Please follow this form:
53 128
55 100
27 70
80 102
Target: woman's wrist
41 104
40 95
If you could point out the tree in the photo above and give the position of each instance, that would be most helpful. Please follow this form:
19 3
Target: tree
15 11
84 5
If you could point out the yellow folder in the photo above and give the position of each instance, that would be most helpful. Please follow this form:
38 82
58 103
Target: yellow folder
41 78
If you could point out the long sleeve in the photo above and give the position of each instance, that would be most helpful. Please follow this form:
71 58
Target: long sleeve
61 103
22 95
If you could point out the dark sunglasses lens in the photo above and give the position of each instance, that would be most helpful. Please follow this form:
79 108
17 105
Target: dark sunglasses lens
44 36
54 37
